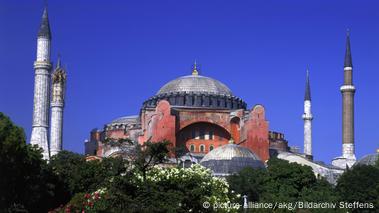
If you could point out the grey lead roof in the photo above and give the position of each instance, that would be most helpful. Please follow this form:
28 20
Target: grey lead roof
307 96
348 59
229 159
125 120
368 159
230 151
44 30
196 84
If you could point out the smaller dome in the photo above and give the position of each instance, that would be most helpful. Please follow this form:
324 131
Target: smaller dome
229 159
370 159
125 120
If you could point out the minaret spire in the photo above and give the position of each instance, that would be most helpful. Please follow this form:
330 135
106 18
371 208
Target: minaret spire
348 60
307 117
44 29
307 95
58 62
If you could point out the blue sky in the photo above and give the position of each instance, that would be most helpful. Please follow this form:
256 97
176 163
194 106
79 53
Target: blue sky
119 53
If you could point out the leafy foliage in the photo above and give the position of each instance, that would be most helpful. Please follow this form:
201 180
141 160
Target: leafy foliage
282 182
150 154
26 182
163 190
249 182
361 183
29 184
82 176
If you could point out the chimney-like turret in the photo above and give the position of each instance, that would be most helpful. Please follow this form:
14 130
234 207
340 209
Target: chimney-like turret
57 106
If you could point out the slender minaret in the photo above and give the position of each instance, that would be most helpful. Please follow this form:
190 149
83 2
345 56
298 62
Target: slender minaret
348 90
57 105
42 68
307 117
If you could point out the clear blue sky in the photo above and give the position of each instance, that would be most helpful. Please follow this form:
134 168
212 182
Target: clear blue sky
119 53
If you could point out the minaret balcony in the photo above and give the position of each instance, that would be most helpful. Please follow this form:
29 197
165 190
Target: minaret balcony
307 116
347 88
42 65
57 104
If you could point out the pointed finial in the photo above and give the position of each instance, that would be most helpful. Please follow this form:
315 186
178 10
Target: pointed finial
307 96
44 30
59 61
348 60
194 70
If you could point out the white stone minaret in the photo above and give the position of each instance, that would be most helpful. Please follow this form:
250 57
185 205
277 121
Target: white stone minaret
307 117
347 90
42 68
57 105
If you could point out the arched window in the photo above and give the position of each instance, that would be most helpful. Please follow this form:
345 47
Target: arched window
192 148
202 148
211 134
193 134
211 148
202 134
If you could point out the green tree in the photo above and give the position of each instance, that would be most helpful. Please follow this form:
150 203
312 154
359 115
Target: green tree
149 154
287 180
360 183
282 182
26 183
249 182
168 190
82 176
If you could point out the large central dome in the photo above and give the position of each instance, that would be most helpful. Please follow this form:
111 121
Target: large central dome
196 84
196 91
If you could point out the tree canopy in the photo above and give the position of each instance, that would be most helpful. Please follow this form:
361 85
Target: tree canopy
69 183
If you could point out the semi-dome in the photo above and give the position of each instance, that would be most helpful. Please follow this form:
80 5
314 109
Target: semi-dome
229 159
196 84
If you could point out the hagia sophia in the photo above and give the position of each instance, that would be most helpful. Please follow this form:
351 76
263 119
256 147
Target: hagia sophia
198 115
195 112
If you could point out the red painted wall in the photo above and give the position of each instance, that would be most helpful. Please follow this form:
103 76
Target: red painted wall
257 133
177 124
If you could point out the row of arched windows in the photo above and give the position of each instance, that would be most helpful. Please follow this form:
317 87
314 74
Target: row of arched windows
201 148
202 134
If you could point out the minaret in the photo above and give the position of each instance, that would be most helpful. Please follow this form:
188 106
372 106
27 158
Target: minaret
42 68
348 91
307 117
57 105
